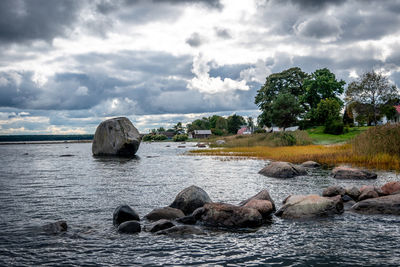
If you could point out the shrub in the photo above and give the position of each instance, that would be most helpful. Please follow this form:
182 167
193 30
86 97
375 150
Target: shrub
147 138
334 127
180 137
288 139
260 131
154 137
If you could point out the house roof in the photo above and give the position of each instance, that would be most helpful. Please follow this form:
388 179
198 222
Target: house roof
397 108
202 131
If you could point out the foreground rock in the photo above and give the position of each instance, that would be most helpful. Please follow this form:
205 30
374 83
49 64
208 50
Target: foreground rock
391 188
116 137
180 230
380 205
129 227
262 195
310 164
353 192
167 213
280 169
190 198
124 213
309 206
227 215
56 227
264 207
352 173
160 225
332 191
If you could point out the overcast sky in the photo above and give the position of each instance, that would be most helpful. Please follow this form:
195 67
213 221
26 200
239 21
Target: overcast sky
67 65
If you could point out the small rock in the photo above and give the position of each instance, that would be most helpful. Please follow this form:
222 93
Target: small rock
353 192
310 164
352 173
160 225
180 230
391 187
164 213
333 191
366 194
220 142
371 188
124 213
381 205
201 145
190 198
279 169
66 155
346 198
129 227
55 227
262 195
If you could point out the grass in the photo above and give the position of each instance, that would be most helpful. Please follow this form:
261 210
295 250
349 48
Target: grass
319 137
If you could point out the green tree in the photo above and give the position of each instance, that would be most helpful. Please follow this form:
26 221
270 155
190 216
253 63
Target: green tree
327 110
161 129
290 81
285 110
389 111
371 89
178 128
234 123
221 123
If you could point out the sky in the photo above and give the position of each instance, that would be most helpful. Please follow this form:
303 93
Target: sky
67 65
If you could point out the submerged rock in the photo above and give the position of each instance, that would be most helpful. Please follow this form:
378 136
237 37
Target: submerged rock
280 169
164 213
334 190
129 227
310 164
55 227
124 213
116 137
160 225
391 188
190 198
380 205
181 230
310 206
352 173
227 215
262 195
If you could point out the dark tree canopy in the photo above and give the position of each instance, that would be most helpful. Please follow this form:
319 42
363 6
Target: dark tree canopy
234 123
285 110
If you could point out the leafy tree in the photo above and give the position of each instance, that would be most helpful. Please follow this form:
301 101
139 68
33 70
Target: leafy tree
289 81
327 110
372 89
178 128
161 129
221 123
389 111
234 123
348 117
285 110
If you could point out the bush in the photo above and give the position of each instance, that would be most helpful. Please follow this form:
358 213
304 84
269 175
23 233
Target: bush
154 137
218 132
147 138
288 139
180 137
383 139
334 127
260 131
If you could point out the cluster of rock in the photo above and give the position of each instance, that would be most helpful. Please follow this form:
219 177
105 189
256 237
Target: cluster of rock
369 199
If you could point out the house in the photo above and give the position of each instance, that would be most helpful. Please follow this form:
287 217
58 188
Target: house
201 134
244 130
277 129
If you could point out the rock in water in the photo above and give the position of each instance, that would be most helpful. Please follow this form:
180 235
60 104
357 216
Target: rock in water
279 169
190 198
264 207
352 173
181 230
167 213
262 195
56 227
160 225
129 227
391 187
124 213
310 164
334 190
310 206
380 205
116 137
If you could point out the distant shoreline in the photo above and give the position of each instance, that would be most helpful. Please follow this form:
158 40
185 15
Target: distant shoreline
44 142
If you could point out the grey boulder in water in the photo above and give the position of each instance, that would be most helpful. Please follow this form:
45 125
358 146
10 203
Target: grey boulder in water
116 137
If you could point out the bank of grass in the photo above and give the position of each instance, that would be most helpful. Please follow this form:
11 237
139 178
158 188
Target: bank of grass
320 138
376 148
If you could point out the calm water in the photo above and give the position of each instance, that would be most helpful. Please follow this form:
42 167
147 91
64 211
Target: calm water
42 187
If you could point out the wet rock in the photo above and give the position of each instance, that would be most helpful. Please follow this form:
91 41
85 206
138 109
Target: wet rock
220 142
366 194
391 188
180 230
264 207
262 195
201 145
55 227
310 206
116 137
353 192
164 213
230 216
310 164
190 198
124 213
346 198
371 188
129 227
160 225
190 219
279 169
381 205
352 173
333 191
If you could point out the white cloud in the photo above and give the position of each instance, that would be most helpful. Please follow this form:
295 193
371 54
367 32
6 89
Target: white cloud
257 73
211 85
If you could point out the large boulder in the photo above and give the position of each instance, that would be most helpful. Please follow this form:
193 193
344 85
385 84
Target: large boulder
334 190
310 164
352 173
380 205
227 215
190 198
391 187
309 206
129 227
124 213
264 207
116 137
280 169
167 213
262 195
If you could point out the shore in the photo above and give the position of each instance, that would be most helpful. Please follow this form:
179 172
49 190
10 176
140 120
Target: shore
45 142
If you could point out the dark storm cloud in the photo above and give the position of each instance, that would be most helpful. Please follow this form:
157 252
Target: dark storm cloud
319 28
195 40
25 20
209 3
312 4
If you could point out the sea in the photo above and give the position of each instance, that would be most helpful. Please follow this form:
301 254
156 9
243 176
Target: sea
41 183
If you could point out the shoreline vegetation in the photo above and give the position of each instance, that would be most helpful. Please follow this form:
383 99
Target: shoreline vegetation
372 148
